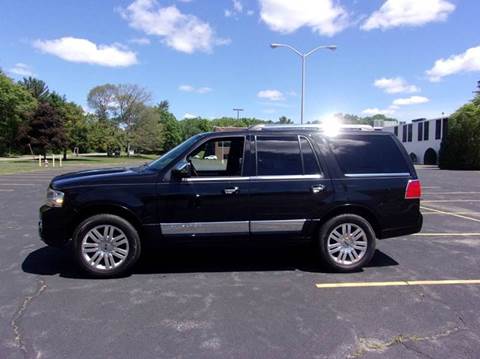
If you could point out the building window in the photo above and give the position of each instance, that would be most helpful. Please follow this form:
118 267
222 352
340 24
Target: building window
395 130
438 129
410 132
420 131
426 130
404 133
445 127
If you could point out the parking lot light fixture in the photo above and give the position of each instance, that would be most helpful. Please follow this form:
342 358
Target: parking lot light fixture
303 57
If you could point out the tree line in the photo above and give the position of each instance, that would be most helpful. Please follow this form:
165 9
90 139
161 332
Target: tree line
36 120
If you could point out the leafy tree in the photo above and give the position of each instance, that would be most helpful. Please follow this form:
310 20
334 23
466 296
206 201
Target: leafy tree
104 136
44 131
284 120
172 135
193 126
460 149
16 104
101 100
147 134
36 87
122 103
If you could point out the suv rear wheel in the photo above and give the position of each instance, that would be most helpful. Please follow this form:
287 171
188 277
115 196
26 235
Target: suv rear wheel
347 242
106 245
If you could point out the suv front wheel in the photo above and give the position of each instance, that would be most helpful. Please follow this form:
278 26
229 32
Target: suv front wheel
106 245
347 242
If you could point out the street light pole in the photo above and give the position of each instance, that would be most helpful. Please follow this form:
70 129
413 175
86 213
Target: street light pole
304 58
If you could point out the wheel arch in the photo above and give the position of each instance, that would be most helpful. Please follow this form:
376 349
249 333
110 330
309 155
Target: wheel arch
100 208
359 210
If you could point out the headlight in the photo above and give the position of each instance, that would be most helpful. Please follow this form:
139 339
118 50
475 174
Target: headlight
54 198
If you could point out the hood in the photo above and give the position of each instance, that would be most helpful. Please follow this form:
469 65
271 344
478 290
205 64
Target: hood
101 176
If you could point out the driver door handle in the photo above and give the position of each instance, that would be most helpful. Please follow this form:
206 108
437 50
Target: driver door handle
231 190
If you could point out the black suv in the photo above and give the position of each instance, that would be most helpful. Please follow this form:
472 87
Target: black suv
341 190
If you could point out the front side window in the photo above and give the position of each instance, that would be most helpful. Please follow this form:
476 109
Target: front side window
368 154
219 157
278 156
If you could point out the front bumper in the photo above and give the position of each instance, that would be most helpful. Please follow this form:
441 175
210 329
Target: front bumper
53 226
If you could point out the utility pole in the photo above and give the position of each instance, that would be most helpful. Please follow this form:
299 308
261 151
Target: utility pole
238 110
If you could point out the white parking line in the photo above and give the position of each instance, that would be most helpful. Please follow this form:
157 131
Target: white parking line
450 213
444 193
399 283
443 234
449 200
18 184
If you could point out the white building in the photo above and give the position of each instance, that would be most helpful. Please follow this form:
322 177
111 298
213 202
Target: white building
421 138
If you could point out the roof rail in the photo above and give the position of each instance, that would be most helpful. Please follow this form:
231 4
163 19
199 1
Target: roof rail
319 127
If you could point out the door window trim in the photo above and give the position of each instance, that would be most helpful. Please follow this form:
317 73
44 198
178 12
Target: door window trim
218 178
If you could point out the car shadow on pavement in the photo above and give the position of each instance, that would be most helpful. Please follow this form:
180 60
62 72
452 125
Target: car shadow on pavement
198 259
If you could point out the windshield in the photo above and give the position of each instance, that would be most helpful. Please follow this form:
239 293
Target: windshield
171 155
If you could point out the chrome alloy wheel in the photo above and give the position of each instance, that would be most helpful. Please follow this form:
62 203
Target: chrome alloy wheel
347 244
105 247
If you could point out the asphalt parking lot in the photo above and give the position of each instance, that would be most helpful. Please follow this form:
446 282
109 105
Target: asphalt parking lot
249 301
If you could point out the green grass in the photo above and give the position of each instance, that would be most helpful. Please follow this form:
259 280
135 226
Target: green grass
21 166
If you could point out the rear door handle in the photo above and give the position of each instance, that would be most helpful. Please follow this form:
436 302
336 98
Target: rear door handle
231 190
318 188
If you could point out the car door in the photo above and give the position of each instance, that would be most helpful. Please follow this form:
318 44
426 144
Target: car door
214 199
289 190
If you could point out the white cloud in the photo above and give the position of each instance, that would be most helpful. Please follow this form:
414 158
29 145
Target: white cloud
21 69
395 85
464 62
182 32
394 13
376 111
324 17
237 6
189 116
140 41
413 100
190 88
271 95
228 13
250 12
82 50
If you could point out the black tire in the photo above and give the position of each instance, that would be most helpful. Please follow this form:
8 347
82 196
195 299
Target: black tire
330 226
132 237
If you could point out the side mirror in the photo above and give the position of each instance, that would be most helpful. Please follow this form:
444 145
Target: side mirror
182 170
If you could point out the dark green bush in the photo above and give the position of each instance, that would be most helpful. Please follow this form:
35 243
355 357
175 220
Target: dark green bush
460 150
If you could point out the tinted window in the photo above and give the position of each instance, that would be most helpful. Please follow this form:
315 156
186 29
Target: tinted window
395 130
410 130
310 165
278 156
368 154
404 133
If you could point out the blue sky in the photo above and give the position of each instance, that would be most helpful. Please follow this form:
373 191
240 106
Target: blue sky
404 58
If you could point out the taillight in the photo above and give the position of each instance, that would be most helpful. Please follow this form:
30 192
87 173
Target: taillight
414 189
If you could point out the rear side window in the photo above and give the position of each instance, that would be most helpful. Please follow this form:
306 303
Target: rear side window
368 154
310 164
277 156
